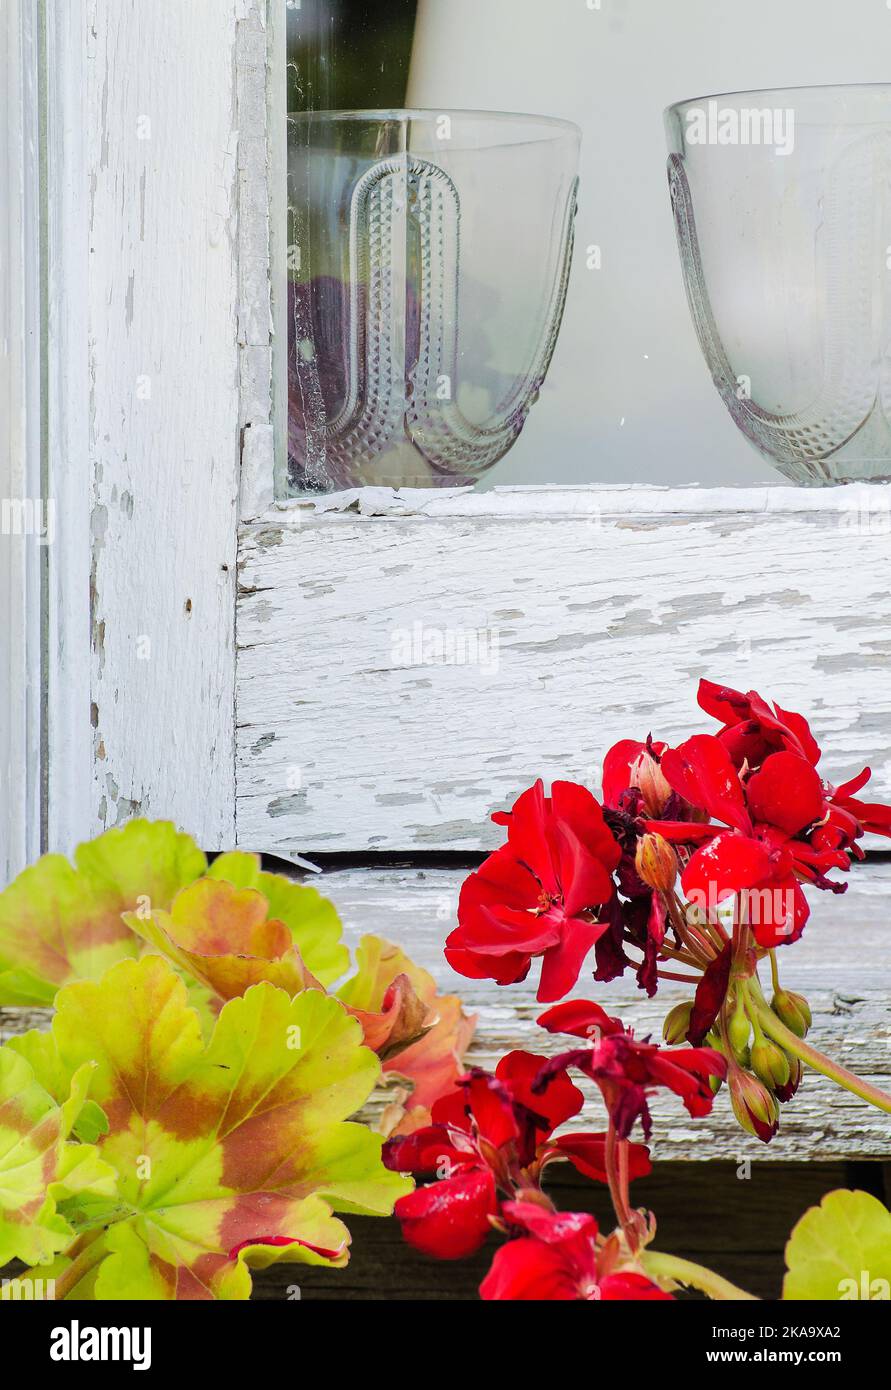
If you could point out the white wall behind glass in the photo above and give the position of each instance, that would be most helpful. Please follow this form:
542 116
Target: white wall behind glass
629 398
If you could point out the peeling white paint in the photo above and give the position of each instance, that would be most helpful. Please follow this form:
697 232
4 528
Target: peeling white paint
164 411
604 606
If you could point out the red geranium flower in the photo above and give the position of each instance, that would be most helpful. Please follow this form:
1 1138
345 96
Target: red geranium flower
757 848
557 1256
535 896
485 1138
753 729
627 1070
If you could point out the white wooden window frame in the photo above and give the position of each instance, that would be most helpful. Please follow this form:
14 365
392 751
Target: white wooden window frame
267 708
22 562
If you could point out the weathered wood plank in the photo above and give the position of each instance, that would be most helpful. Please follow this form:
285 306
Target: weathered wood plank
842 965
706 1213
400 675
164 427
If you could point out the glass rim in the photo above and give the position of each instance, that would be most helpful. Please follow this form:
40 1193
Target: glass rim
806 88
380 116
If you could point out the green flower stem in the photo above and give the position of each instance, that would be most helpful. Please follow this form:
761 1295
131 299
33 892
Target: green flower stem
659 1266
776 1029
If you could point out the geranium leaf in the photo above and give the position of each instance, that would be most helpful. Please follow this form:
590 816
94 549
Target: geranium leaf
431 1060
40 1052
230 1154
224 938
313 921
38 1167
840 1250
60 922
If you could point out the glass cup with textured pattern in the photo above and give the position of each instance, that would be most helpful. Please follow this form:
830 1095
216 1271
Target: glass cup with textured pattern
782 205
429 257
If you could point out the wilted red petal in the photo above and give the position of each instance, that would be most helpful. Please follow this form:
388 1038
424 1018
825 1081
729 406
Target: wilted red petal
710 995
722 702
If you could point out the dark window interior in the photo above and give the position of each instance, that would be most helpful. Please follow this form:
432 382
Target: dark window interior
349 54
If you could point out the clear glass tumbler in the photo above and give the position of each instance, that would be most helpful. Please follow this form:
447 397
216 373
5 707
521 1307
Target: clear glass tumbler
782 204
429 259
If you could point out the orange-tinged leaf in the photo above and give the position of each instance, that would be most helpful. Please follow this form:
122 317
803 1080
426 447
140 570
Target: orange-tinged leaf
222 936
228 1154
431 1060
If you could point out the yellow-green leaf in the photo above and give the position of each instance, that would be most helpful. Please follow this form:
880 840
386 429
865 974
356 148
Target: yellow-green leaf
840 1250
60 922
39 1168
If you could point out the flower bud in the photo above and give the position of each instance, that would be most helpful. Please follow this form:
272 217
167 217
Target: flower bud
647 776
770 1063
677 1022
793 1010
656 863
796 1071
755 1108
738 1031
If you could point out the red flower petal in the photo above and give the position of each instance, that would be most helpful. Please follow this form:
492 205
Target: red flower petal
631 1286
562 964
518 1070
449 1219
527 1270
491 1104
786 792
580 1018
506 969
728 864
617 767
700 770
587 1153
422 1152
778 912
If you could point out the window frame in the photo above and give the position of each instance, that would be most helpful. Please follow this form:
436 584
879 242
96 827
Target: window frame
22 558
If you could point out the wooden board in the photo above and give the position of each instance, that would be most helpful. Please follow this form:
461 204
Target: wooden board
27 523
705 1212
179 332
842 965
406 664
